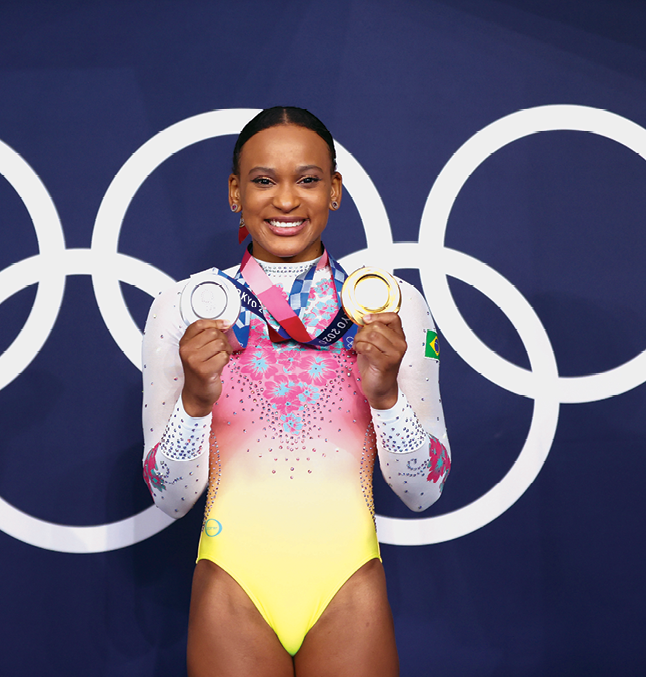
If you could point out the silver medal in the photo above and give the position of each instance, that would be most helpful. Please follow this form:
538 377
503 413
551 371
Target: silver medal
209 296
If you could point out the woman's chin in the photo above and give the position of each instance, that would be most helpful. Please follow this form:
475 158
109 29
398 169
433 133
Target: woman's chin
291 249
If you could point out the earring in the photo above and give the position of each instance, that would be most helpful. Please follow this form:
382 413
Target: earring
335 205
242 231
234 207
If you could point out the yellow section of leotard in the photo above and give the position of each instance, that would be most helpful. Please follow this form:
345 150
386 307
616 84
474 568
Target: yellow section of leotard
288 555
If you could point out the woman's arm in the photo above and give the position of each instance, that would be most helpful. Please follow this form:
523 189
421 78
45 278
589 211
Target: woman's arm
412 442
175 444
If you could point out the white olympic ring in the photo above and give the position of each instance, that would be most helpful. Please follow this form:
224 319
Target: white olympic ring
542 383
108 267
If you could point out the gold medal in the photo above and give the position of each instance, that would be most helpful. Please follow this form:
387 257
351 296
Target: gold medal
368 291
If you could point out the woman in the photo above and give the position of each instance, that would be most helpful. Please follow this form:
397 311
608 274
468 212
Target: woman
288 579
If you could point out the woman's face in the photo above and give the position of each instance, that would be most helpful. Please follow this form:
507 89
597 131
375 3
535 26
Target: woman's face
286 188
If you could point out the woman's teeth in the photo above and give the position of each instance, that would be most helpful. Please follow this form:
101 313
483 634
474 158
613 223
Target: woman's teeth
286 224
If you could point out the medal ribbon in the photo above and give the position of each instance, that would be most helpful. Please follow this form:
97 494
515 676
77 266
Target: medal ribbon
254 287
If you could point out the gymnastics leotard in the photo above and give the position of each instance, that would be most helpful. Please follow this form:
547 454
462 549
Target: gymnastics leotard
289 511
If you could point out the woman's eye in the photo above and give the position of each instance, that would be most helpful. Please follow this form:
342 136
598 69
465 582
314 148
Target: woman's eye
261 181
310 179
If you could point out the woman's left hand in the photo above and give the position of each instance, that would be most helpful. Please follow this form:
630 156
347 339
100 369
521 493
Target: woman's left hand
380 346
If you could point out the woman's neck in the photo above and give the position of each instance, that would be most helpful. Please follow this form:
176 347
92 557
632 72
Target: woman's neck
285 269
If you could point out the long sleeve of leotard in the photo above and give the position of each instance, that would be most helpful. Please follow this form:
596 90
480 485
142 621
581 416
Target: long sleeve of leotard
412 441
176 453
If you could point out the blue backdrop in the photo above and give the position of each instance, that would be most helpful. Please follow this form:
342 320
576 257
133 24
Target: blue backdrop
525 117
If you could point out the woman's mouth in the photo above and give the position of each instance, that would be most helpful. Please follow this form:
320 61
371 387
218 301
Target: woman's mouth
286 227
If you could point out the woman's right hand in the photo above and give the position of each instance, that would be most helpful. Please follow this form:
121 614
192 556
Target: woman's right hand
204 351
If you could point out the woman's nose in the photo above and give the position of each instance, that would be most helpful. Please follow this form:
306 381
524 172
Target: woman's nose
286 197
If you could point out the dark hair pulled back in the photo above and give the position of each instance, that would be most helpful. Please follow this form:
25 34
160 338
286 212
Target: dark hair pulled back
282 115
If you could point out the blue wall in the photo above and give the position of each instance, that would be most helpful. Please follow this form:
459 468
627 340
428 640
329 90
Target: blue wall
549 584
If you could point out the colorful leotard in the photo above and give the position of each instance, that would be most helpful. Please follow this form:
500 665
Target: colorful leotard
289 510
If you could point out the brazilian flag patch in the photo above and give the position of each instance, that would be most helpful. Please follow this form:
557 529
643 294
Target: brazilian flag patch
432 348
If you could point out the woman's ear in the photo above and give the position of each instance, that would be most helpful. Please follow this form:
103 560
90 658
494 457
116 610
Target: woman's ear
234 192
336 191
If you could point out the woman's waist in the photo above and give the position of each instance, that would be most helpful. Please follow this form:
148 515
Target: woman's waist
318 513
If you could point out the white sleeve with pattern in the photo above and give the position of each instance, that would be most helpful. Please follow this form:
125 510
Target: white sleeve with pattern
176 445
412 442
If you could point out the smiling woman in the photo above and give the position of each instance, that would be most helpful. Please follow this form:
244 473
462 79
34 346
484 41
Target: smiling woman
297 407
287 185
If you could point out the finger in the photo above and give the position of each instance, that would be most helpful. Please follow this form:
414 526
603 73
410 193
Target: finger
391 320
197 355
219 360
213 366
382 337
377 352
200 326
202 336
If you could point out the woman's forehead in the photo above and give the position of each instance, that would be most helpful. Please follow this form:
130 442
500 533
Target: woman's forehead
286 146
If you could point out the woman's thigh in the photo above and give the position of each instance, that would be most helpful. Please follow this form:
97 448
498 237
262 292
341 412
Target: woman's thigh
227 636
355 636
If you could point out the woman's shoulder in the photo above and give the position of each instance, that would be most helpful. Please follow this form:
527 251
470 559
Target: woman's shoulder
414 308
411 296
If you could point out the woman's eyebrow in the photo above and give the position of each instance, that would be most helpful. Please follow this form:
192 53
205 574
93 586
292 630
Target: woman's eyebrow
262 170
270 170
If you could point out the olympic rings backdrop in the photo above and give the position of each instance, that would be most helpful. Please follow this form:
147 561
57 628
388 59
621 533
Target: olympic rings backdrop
493 154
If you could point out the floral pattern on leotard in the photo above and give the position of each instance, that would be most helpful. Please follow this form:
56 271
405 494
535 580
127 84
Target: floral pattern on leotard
296 378
436 467
439 463
152 478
